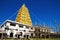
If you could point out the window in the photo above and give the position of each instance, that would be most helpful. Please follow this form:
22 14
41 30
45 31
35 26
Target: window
21 26
38 30
27 27
16 29
31 28
12 24
24 30
31 34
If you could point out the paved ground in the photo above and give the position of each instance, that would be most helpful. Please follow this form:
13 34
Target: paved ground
33 39
45 39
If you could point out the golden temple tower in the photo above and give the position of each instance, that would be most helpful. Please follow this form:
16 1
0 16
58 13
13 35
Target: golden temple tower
23 16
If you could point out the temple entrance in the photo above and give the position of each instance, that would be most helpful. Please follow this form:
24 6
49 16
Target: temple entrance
47 36
31 34
42 36
26 36
11 34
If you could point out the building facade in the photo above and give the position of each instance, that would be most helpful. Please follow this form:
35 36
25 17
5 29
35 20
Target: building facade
42 32
14 29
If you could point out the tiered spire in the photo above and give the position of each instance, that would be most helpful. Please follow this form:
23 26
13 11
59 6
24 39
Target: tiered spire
23 16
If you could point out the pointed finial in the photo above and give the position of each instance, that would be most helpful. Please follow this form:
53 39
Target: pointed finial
23 5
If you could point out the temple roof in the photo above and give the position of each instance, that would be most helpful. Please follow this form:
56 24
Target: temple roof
23 16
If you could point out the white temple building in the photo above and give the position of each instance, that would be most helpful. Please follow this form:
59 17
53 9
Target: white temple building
14 29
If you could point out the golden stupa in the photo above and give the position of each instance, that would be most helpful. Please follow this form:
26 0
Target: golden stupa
23 16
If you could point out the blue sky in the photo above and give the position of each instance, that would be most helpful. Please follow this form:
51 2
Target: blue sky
41 11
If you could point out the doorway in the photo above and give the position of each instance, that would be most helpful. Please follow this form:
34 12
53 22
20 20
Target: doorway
11 34
26 36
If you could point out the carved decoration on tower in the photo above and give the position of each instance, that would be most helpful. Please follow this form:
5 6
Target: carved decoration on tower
23 16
